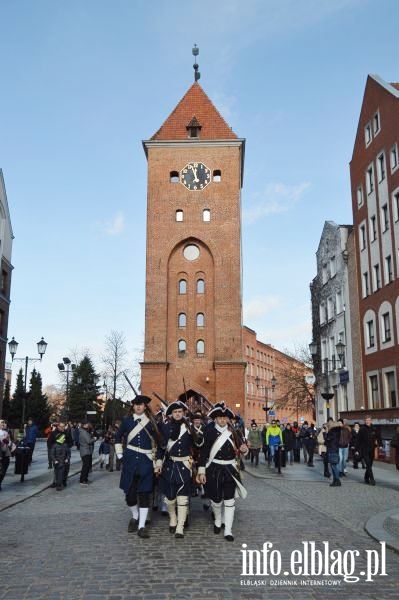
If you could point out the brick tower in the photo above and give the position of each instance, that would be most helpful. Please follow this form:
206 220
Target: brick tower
193 317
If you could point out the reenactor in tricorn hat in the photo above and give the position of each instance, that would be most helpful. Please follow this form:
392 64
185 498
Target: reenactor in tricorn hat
137 478
174 465
218 467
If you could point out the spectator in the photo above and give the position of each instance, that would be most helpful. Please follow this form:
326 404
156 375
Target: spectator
344 442
302 434
395 444
297 444
332 444
367 441
321 440
274 439
309 442
60 455
31 432
254 443
5 449
50 441
289 443
86 445
353 443
104 453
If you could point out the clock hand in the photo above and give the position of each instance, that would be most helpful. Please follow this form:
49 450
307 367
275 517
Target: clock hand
195 180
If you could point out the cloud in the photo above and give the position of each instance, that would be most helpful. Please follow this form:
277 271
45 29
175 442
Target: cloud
116 225
276 198
260 306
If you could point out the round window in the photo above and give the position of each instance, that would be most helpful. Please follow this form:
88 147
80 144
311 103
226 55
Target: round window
191 252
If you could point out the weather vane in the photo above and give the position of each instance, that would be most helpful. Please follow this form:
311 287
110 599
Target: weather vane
197 74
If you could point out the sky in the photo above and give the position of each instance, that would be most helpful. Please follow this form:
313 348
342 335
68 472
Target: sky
84 82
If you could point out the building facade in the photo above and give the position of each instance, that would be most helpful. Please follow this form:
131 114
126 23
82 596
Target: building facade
374 171
332 323
193 317
6 238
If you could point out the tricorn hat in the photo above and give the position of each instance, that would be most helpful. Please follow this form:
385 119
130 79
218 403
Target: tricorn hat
197 415
175 405
220 410
141 400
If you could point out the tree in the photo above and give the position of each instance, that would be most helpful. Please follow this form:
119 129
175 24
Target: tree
114 360
293 372
7 400
37 406
83 391
16 404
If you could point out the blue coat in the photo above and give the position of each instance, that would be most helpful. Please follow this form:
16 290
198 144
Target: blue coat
31 432
175 479
136 464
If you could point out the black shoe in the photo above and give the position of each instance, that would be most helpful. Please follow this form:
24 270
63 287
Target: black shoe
111 470
229 538
155 508
53 485
355 466
49 467
216 529
164 513
64 483
372 482
101 466
366 481
172 529
143 533
133 523
59 488
206 506
179 536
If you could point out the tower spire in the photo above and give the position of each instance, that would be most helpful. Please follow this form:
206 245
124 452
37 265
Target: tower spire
195 52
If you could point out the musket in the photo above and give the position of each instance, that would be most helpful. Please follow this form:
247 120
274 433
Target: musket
148 411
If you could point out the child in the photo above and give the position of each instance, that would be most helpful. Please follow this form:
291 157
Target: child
104 453
60 455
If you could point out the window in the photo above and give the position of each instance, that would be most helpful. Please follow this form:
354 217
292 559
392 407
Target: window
370 339
200 320
191 252
391 389
373 383
388 269
369 180
376 123
365 285
359 194
373 228
395 202
206 215
179 215
385 217
200 286
386 327
4 281
174 177
367 133
200 347
182 286
323 314
394 157
338 302
381 167
182 320
362 237
377 279
182 346
332 267
217 176
324 274
330 308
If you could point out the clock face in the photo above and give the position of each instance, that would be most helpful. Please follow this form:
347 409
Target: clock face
195 176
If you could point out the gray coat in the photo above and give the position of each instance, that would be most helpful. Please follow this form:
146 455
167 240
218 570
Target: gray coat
86 443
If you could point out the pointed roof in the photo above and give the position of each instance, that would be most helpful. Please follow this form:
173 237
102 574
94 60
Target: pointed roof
195 104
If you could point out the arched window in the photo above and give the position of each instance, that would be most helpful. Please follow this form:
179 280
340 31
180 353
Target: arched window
200 320
182 347
182 319
179 215
182 286
217 176
174 177
200 286
200 347
206 215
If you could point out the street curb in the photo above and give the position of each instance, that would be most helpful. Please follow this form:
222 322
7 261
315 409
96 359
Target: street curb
41 479
375 528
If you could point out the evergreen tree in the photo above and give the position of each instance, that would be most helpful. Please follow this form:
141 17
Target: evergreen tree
16 404
83 392
37 406
6 400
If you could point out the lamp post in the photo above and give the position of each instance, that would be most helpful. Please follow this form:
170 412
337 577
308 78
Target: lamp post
66 367
340 348
273 387
41 349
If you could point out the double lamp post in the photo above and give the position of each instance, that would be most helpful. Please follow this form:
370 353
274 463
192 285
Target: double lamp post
266 389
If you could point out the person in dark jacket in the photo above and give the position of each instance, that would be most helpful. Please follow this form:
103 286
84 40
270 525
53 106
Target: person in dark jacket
86 447
366 443
298 443
309 442
31 431
59 428
332 445
395 445
289 440
60 456
355 456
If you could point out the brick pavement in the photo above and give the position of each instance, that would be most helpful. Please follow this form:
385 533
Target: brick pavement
74 544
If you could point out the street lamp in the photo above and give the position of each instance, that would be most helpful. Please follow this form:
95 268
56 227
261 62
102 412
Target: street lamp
41 350
340 348
66 367
266 408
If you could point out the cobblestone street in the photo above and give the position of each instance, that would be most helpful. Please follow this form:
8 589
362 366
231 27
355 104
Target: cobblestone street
75 544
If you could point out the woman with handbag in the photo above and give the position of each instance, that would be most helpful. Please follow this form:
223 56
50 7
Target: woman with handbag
5 449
